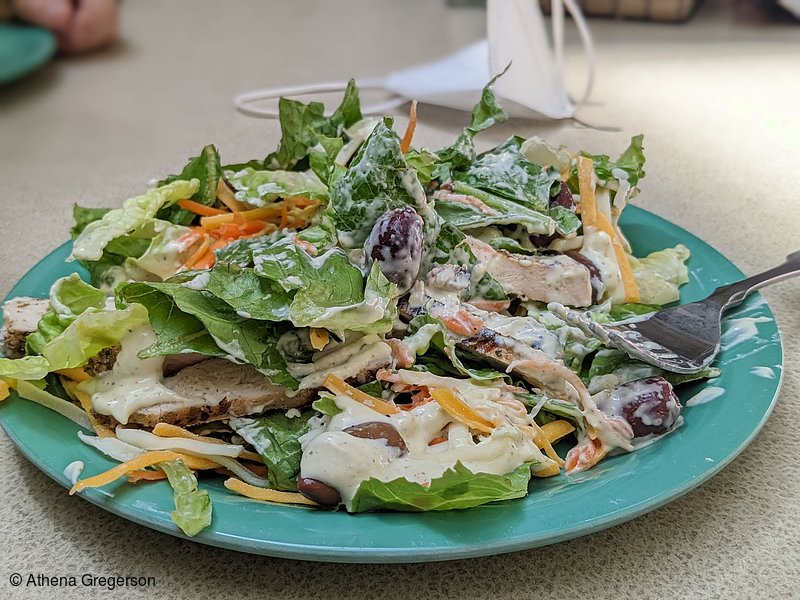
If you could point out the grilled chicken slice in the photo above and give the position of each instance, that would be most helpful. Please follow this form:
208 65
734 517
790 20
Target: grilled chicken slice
20 317
556 278
218 389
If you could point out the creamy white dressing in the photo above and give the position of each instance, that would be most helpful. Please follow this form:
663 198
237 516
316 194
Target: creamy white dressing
199 281
597 248
705 395
765 372
526 330
344 461
73 470
345 361
740 330
133 383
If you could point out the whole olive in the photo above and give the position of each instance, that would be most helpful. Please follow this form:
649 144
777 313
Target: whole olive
395 243
379 430
649 405
318 492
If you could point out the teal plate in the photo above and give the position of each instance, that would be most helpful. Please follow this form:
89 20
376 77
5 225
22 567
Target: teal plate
557 509
23 49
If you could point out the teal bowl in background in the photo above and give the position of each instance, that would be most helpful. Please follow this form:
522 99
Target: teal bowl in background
23 49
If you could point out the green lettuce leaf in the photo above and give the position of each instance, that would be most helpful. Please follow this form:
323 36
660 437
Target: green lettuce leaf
207 171
260 188
377 181
451 248
620 312
91 332
505 172
243 339
69 297
83 216
250 295
659 275
192 506
326 406
457 488
461 153
302 124
275 437
91 242
177 331
27 368
504 212
338 306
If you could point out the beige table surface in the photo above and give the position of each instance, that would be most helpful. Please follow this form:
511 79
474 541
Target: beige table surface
718 102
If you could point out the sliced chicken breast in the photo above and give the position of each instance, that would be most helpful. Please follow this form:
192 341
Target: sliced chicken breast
218 389
20 318
556 278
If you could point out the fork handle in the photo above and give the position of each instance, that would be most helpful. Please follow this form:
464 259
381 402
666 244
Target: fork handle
734 294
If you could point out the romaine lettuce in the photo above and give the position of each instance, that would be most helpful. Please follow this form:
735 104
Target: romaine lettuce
457 488
192 506
377 181
207 171
262 187
94 238
371 311
659 275
276 437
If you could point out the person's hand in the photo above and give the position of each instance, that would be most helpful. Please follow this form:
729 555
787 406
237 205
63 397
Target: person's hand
80 25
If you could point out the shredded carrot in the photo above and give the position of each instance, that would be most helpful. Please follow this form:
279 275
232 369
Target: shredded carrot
256 493
143 475
71 387
463 322
625 271
307 246
585 455
421 397
319 338
76 374
412 125
4 390
461 411
302 201
148 459
340 388
198 254
284 215
588 202
439 439
200 209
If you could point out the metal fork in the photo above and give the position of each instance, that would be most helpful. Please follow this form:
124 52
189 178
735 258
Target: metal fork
682 339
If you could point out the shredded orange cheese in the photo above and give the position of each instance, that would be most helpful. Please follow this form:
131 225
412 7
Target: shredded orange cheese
148 459
71 387
625 271
266 495
461 411
341 388
76 374
4 390
319 338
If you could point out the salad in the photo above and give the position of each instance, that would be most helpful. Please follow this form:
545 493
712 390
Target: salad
353 322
